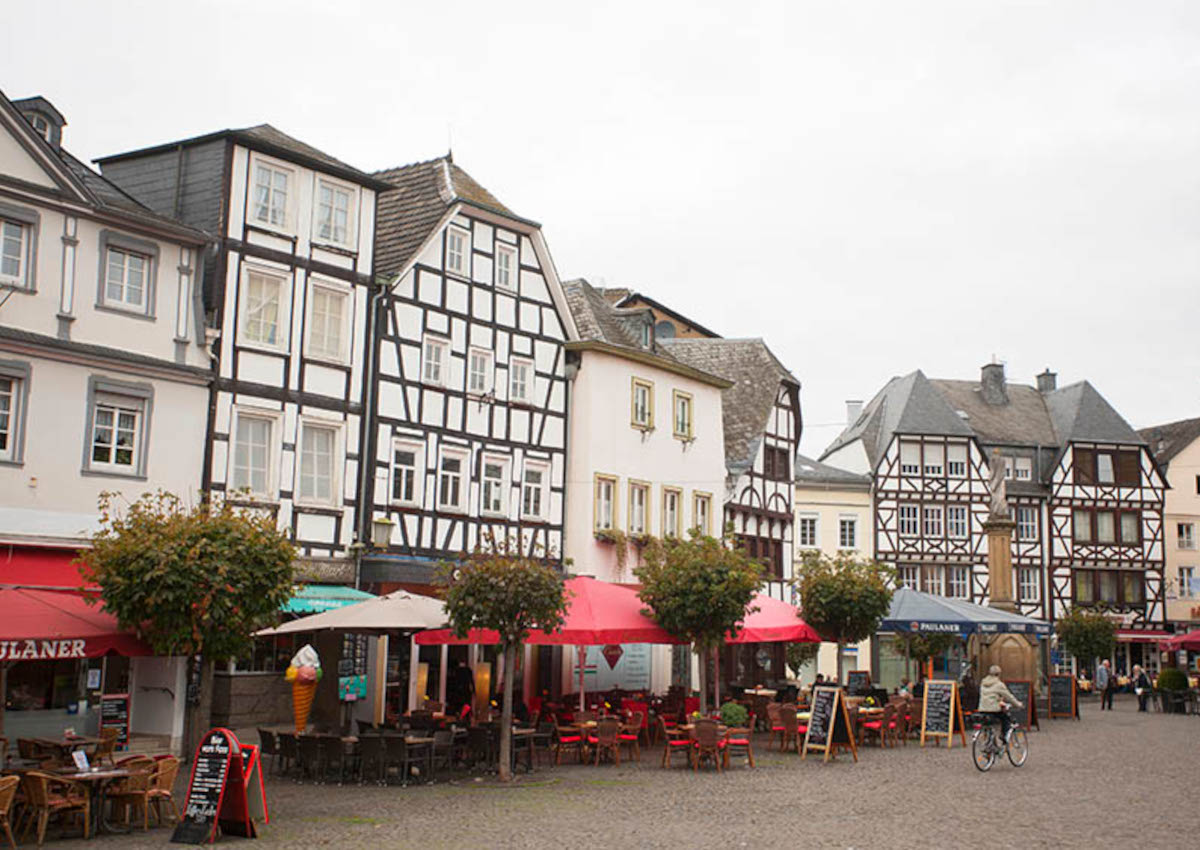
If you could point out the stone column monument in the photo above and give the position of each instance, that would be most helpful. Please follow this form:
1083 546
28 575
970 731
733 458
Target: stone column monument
999 528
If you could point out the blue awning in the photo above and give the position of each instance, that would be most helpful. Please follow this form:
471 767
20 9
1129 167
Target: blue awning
315 598
913 611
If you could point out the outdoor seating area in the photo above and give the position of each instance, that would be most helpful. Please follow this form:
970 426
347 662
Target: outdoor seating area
44 785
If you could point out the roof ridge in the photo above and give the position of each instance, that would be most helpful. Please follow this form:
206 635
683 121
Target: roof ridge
429 161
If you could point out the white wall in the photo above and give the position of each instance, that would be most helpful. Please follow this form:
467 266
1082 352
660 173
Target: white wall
158 699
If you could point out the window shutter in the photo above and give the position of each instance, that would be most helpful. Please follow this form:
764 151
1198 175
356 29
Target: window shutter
1085 466
1128 472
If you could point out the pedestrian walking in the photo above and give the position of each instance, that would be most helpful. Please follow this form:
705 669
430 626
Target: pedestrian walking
1105 682
1141 686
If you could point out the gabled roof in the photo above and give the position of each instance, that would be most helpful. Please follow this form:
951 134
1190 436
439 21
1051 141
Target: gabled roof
746 405
809 471
269 140
1024 420
1171 438
417 197
627 298
1081 414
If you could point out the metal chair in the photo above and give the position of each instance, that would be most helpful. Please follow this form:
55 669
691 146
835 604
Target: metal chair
289 751
372 756
268 746
397 756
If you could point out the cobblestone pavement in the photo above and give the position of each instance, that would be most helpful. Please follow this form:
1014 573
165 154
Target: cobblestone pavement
1116 778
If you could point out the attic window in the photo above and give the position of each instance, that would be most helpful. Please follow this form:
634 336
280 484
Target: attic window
647 334
40 124
962 414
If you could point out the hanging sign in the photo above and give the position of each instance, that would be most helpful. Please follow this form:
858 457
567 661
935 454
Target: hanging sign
612 654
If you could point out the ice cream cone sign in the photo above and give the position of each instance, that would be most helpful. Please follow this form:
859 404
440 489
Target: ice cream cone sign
304 672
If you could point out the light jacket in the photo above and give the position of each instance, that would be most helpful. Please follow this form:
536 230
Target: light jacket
991 691
1102 677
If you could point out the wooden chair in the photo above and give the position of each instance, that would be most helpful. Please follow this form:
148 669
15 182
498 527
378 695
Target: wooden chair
49 796
162 788
900 725
107 745
133 793
880 727
8 793
631 733
567 739
790 736
774 724
739 741
708 743
606 739
674 741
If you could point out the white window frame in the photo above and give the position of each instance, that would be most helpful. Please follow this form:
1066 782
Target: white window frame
328 290
639 491
933 520
464 479
1027 523
933 579
351 193
418 472
908 520
543 488
679 397
116 407
672 512
704 523
907 447
1023 469
639 417
851 522
486 483
933 460
463 268
270 491
21 279
1109 475
288 225
604 502
526 364
282 313
956 466
808 531
908 575
336 468
488 372
121 302
1029 585
958 522
17 376
1186 574
958 582
1008 468
1185 535
510 270
431 344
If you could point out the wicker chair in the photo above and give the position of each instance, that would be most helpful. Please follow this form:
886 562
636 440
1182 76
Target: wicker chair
567 739
107 745
162 789
774 724
790 736
606 739
674 741
397 756
313 760
881 727
631 734
48 796
739 741
900 725
268 746
372 756
8 793
133 793
707 743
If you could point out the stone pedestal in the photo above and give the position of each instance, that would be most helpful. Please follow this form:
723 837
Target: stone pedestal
1000 571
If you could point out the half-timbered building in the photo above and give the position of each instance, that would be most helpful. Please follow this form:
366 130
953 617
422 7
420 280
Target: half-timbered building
1085 494
469 434
287 300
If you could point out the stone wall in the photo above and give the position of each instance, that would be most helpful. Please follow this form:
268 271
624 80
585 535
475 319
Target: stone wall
248 700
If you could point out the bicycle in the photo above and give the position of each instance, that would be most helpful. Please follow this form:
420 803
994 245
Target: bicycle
986 744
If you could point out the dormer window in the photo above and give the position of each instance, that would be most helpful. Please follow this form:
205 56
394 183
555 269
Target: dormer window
647 334
40 124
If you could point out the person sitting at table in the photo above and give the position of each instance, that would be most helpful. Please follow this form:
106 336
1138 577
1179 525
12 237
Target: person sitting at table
905 689
820 681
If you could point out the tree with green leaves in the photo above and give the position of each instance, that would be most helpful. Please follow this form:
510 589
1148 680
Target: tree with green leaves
843 598
1086 634
698 588
499 587
195 580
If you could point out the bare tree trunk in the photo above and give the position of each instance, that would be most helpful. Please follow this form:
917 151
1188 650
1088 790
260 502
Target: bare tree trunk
198 712
703 681
838 668
510 664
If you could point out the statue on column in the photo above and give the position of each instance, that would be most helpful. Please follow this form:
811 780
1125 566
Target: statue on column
998 488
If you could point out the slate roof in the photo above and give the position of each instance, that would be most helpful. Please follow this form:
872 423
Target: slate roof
914 404
809 471
745 406
1171 438
417 197
629 298
596 317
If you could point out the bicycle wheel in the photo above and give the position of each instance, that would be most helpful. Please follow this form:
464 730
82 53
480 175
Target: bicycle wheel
982 751
1018 747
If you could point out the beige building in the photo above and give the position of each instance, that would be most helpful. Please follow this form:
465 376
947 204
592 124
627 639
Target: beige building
833 514
1176 448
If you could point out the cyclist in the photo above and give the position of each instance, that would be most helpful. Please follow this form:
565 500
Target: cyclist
993 694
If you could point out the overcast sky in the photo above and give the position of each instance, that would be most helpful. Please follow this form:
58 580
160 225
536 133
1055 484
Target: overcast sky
872 187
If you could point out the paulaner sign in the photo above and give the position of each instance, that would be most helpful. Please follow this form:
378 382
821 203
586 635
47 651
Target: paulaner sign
41 650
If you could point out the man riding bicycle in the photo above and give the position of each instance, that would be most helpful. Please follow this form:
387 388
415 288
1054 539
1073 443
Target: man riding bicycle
993 694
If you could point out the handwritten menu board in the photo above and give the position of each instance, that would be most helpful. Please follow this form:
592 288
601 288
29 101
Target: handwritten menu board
828 725
858 682
114 714
352 668
1062 696
941 709
210 771
1022 689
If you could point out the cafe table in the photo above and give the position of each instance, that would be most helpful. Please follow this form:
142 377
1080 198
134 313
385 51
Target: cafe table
96 781
69 743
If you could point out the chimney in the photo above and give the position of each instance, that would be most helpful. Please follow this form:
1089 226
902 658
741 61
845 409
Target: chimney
1047 381
853 410
991 384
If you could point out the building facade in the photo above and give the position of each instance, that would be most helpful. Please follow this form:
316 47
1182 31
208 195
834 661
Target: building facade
1085 494
647 460
104 385
287 300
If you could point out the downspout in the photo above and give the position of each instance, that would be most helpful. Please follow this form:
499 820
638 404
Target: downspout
369 438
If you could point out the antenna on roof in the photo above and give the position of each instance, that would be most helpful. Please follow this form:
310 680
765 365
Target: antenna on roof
449 141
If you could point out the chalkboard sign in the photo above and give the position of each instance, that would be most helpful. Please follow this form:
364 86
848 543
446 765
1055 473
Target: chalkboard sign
1062 696
858 682
206 789
828 725
1022 689
941 709
114 714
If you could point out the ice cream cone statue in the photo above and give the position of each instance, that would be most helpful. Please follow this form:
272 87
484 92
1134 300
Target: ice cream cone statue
304 673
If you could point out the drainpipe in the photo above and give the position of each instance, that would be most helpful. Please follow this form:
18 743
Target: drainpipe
366 448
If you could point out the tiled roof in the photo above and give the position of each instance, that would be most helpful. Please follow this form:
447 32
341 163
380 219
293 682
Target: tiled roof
419 197
746 406
809 471
596 318
274 137
1081 413
1171 438
1024 420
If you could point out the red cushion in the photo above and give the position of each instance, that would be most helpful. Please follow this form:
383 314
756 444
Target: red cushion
778 728
593 740
678 742
628 737
570 739
892 724
873 724
740 742
802 730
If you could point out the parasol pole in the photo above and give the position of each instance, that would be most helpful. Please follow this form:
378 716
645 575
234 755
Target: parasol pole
582 660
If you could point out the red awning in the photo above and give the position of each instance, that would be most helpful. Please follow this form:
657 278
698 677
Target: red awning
36 566
1141 635
1187 640
50 624
598 613
774 622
